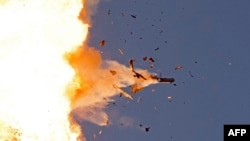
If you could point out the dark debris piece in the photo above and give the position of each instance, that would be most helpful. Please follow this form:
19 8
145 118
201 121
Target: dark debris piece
190 74
109 12
138 75
133 16
156 49
102 42
145 58
164 79
151 60
147 129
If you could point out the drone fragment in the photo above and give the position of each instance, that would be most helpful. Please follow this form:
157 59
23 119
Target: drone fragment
145 58
147 129
133 16
178 67
121 52
102 43
151 60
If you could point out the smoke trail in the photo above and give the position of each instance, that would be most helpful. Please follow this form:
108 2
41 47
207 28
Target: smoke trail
93 84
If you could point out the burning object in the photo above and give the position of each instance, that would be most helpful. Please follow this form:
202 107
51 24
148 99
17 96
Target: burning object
125 94
38 47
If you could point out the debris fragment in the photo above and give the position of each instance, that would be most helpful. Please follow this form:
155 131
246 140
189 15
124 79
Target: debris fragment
147 129
125 94
138 75
153 90
140 38
109 12
151 60
178 67
170 98
139 99
163 79
156 49
113 72
131 66
100 132
190 74
121 52
102 43
133 16
94 135
145 58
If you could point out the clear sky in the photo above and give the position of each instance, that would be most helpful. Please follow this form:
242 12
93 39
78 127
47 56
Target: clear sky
210 39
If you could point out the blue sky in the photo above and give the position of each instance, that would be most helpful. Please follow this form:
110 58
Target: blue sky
210 39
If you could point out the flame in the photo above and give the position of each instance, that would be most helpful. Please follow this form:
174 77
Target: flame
49 77
33 72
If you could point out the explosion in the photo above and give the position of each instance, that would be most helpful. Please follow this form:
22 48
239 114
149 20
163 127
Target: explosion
49 76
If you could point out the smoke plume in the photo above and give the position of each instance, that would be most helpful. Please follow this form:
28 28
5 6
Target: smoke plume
93 85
